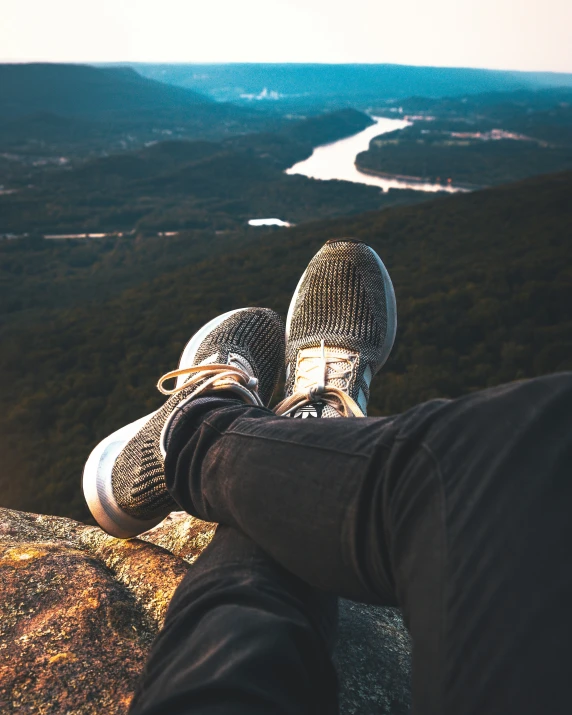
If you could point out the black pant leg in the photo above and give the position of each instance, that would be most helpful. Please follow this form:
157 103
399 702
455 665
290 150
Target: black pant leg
298 488
459 511
241 636
494 635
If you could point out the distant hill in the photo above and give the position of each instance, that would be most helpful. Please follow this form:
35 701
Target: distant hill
483 284
81 90
498 104
55 110
307 85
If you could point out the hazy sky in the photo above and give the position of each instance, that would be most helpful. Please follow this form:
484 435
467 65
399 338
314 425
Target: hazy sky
504 34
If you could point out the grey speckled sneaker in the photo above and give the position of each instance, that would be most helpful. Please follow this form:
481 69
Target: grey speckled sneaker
339 332
241 352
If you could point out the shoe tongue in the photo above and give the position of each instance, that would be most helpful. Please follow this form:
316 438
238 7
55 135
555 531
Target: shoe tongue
336 367
313 365
339 361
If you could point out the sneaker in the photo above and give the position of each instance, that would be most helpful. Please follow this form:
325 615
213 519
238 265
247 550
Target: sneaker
339 332
240 352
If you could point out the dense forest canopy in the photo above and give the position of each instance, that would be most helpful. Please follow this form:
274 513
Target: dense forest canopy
177 185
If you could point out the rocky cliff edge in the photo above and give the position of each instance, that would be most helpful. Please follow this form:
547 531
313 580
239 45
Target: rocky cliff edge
80 609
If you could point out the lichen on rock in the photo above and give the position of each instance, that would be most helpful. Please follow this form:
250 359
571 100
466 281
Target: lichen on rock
80 610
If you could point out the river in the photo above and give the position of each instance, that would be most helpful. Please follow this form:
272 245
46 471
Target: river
337 160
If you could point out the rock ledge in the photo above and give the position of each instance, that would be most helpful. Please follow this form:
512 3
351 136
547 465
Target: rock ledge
80 610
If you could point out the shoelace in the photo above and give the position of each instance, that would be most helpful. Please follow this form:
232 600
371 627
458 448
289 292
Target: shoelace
320 387
216 377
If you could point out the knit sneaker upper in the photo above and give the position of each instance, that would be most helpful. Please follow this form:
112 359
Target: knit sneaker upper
254 335
345 303
252 340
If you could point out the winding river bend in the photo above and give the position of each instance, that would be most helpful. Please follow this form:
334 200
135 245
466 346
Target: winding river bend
337 160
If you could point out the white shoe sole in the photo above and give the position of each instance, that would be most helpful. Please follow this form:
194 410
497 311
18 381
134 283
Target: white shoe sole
390 302
97 486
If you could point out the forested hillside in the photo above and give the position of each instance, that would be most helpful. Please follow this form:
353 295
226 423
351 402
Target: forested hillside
80 90
483 283
476 141
177 185
54 111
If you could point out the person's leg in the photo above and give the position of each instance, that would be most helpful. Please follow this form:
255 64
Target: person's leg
242 636
458 511
240 354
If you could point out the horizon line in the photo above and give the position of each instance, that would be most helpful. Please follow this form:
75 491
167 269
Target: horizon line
95 63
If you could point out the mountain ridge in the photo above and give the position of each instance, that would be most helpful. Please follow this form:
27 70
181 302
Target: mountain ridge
83 90
306 85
